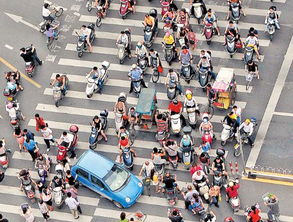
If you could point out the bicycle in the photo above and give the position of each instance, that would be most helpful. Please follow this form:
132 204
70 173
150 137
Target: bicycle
50 41
249 78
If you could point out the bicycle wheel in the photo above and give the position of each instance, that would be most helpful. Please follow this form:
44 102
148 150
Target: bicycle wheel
247 86
50 44
155 77
59 12
89 5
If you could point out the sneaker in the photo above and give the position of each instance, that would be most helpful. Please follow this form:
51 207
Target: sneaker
48 149
41 62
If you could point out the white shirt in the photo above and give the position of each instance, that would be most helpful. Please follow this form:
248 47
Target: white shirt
237 112
45 12
11 112
86 32
67 139
251 41
247 128
71 203
124 39
148 168
141 51
47 133
43 208
206 54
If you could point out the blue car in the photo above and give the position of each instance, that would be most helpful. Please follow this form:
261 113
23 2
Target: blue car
109 179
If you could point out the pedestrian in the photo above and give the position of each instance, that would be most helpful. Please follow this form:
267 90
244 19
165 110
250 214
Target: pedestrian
69 178
123 217
72 204
28 134
47 198
2 219
1 176
27 213
19 138
32 148
44 210
47 135
74 192
254 215
40 187
35 56
237 111
273 204
189 196
39 122
214 195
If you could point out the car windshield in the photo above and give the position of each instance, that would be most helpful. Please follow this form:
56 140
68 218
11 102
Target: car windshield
116 178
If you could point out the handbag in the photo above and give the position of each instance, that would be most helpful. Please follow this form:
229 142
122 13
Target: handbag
160 69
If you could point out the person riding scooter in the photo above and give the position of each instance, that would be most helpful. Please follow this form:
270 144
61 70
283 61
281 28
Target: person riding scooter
175 107
174 77
252 41
247 127
230 7
175 215
190 101
231 120
60 81
98 125
149 21
162 122
25 178
135 74
99 74
203 6
171 148
219 165
199 177
42 162
211 18
232 29
87 32
169 182
141 51
204 63
185 57
232 190
206 125
272 14
125 39
183 18
169 41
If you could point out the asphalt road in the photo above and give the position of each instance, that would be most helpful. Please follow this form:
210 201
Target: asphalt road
275 152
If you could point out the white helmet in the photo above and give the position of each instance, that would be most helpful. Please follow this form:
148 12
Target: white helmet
106 64
139 43
133 66
205 116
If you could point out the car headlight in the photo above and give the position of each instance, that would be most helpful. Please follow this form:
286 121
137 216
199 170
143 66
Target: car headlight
140 184
127 199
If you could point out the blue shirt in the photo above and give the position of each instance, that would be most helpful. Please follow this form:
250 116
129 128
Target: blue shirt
30 146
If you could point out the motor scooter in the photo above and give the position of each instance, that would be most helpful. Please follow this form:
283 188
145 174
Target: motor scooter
171 89
203 189
59 170
95 85
136 86
227 134
165 6
219 179
10 91
169 53
171 196
248 54
148 36
192 116
95 135
121 52
118 120
271 28
81 46
203 77
128 158
176 124
231 45
192 40
29 191
187 72
207 137
208 32
235 13
187 152
58 197
142 62
100 15
156 74
124 8
162 136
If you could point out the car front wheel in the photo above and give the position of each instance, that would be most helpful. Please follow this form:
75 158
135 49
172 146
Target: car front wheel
117 204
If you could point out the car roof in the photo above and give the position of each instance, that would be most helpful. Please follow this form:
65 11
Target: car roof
95 163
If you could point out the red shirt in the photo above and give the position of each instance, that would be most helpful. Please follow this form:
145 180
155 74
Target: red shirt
194 169
232 193
254 216
175 108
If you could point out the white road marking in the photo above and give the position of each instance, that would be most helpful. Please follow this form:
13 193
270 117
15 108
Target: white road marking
283 114
18 19
50 58
269 112
269 1
75 8
8 46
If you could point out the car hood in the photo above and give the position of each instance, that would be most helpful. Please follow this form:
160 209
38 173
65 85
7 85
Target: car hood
132 189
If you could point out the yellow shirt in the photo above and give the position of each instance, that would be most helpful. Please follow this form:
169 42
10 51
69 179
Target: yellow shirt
169 40
149 20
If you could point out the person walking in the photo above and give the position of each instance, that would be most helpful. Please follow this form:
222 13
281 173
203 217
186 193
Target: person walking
74 192
39 122
19 138
28 134
32 148
274 211
27 214
69 178
47 198
2 219
72 204
214 195
44 210
47 135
